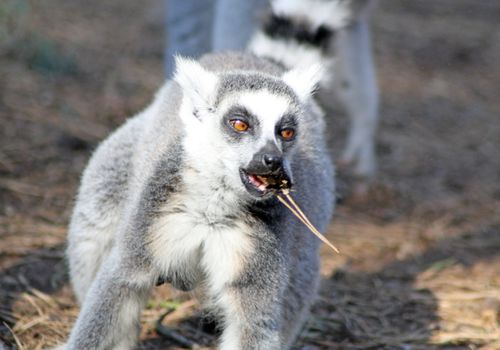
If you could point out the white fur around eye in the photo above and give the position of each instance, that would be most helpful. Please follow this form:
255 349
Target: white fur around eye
267 107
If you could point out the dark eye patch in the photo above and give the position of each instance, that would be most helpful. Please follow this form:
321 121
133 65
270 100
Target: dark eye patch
287 122
239 113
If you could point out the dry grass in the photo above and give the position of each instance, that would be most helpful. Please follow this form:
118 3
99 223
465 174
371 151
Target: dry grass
295 209
419 263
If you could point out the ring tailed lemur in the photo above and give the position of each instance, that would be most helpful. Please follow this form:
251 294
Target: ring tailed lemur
335 33
183 192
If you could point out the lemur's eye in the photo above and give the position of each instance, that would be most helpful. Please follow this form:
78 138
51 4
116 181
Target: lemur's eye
239 125
287 134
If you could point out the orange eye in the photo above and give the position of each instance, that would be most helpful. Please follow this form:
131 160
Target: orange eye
239 125
287 134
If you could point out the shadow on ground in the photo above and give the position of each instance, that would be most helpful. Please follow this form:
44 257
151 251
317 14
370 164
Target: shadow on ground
386 308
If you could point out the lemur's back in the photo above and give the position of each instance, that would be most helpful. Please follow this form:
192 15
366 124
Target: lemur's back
100 202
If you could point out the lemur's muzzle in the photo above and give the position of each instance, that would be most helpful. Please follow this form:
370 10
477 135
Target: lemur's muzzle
267 172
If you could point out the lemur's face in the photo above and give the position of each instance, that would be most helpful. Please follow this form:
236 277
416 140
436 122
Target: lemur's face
244 126
258 130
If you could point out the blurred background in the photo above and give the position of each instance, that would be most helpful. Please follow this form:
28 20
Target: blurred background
420 262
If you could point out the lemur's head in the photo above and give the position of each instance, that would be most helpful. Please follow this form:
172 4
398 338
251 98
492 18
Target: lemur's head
243 126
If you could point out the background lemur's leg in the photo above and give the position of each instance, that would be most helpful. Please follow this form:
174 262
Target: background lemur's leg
109 318
356 86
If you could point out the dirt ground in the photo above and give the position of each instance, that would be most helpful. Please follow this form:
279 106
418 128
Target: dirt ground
420 258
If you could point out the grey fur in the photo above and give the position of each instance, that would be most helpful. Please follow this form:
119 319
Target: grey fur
141 175
234 82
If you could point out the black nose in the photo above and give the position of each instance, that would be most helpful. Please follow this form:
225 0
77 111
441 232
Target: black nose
272 162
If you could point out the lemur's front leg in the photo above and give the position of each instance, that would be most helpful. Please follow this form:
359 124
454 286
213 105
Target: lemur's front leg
247 289
252 318
109 318
356 85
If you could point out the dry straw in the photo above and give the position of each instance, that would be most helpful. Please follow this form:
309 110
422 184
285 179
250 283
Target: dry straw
285 198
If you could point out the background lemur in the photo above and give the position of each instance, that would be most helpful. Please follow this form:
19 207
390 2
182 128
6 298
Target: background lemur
335 33
180 192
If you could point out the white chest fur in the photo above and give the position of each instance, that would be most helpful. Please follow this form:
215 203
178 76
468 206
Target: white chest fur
200 232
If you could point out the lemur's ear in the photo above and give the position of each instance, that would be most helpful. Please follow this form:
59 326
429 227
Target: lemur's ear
197 83
304 80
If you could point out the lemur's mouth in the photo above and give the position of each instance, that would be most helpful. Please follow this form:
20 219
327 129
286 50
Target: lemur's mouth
262 184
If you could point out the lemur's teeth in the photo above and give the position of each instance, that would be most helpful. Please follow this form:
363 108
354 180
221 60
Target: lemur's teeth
255 181
262 179
262 187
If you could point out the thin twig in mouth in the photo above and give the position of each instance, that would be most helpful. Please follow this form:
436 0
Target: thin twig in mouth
295 209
